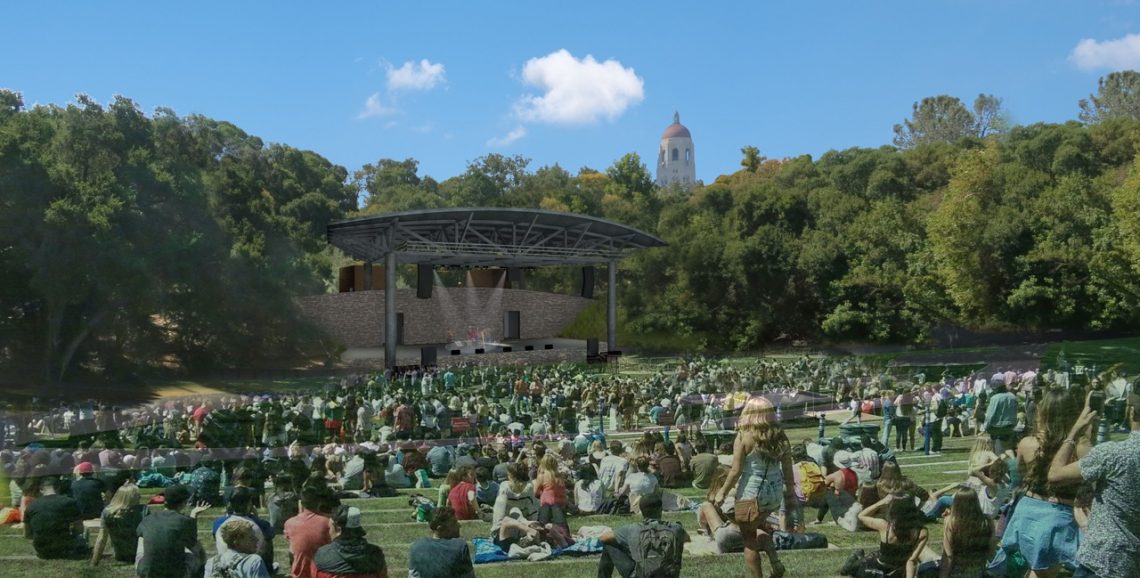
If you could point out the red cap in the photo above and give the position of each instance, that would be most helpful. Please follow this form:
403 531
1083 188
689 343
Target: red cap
86 468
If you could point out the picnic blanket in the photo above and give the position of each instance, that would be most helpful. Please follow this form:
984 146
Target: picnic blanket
487 552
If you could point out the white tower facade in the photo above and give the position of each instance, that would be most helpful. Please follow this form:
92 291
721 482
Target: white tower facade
676 158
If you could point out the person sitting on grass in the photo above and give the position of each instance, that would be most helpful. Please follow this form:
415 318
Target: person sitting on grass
901 539
588 494
308 531
461 496
240 558
486 489
349 555
241 508
516 509
650 548
54 525
88 491
444 554
121 519
170 538
283 503
967 537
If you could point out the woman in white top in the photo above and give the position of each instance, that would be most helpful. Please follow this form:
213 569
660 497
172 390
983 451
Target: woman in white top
588 493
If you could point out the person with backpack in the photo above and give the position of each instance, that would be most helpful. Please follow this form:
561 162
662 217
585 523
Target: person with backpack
651 549
811 487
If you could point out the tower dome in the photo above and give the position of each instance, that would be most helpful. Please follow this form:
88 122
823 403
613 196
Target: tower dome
676 156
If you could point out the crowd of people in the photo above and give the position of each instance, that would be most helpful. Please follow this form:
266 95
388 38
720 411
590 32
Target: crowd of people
525 448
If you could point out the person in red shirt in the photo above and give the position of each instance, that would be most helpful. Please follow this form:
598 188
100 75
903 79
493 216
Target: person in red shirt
405 421
461 498
308 531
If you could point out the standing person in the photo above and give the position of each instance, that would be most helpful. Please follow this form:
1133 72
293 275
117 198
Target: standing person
121 519
936 411
967 538
888 403
904 421
168 534
54 525
308 531
651 548
1001 417
349 555
444 554
762 475
1111 544
1042 527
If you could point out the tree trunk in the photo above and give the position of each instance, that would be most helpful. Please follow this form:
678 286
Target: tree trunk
80 337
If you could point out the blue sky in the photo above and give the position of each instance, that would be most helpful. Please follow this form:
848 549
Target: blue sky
574 83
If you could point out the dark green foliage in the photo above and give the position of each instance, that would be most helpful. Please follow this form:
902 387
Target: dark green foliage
129 242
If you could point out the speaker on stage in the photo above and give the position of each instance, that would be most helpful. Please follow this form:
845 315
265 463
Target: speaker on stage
427 356
588 282
592 347
425 278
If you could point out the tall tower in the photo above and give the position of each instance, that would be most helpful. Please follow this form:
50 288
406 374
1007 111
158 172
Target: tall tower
676 158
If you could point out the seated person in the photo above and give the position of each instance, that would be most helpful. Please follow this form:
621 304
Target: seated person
241 508
240 558
54 525
638 483
283 503
88 492
516 509
461 496
349 555
121 519
168 534
670 469
486 489
902 538
588 494
206 484
444 554
394 474
620 547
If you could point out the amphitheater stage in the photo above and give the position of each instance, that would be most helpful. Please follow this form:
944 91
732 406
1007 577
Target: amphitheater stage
548 350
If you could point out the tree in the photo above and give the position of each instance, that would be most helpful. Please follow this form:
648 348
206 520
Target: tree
989 117
752 159
945 119
1117 96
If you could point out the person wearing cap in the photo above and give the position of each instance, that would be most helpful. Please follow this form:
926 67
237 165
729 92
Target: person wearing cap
88 491
170 538
239 559
445 554
349 555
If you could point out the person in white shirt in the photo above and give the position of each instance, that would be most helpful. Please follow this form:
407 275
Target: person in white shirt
613 468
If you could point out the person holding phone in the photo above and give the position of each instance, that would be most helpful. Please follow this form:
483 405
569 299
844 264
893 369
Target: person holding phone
1111 545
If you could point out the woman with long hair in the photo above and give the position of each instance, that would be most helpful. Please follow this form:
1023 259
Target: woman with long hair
1042 527
121 519
967 537
902 536
761 474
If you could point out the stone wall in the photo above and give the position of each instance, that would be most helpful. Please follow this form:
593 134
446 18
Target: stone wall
356 319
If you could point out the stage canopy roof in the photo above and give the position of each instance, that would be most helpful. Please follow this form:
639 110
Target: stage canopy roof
488 238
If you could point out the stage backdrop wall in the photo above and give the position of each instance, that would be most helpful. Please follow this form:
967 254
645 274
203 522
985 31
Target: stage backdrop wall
356 319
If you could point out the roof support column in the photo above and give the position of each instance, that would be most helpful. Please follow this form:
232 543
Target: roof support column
611 308
367 271
390 310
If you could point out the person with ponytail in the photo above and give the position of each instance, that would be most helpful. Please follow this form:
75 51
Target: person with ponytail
762 477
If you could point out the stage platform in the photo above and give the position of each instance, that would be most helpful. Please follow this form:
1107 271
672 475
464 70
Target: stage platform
548 350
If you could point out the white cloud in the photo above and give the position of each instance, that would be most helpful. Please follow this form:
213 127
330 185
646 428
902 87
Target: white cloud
577 91
502 141
1119 54
373 108
410 76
